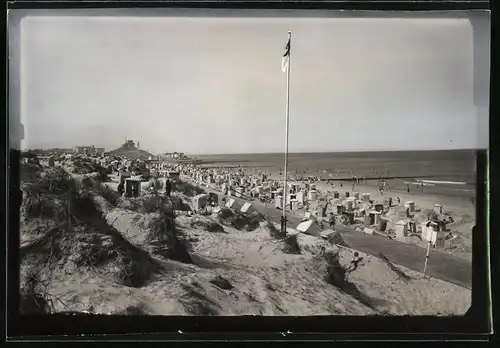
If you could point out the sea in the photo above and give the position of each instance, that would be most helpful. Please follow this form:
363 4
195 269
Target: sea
448 172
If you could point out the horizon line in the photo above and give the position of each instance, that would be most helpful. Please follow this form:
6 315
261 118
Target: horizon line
315 152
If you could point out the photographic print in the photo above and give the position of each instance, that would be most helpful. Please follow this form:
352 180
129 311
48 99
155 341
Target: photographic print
214 163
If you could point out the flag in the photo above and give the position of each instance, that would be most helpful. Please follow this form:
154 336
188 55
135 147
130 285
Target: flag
286 57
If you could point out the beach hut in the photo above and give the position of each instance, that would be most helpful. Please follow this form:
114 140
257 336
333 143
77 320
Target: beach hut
132 187
438 209
247 208
313 195
430 230
379 207
123 176
336 195
356 195
294 205
200 201
340 208
346 194
300 197
374 217
350 217
410 206
425 231
401 229
382 226
309 227
349 204
278 202
440 240
365 197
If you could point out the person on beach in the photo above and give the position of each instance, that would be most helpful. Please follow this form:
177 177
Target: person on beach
408 188
390 202
168 187
399 200
356 260
332 220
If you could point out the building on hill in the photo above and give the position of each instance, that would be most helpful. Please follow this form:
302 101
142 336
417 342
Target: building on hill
129 150
129 144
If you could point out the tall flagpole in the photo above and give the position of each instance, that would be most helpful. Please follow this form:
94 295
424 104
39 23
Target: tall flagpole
285 189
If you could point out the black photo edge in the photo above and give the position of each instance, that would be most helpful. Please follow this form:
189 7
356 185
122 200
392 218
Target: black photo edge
472 325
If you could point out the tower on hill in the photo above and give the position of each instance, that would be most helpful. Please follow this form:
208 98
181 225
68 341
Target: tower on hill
129 144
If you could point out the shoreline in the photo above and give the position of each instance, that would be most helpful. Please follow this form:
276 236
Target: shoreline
397 187
457 186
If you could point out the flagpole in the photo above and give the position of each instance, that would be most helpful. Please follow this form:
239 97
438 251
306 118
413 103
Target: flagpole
285 190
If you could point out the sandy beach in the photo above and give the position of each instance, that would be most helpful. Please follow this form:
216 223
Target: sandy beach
214 262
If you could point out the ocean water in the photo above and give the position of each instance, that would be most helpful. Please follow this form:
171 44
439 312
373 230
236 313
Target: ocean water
448 171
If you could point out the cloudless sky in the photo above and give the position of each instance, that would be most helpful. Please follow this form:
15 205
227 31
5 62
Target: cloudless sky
215 85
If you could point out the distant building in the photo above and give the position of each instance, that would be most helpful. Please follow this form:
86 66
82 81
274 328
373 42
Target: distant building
129 144
174 155
84 150
89 150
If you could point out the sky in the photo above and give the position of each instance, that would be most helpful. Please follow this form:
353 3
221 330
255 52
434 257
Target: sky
204 85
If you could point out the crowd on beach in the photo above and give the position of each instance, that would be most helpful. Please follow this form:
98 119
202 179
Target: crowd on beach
242 182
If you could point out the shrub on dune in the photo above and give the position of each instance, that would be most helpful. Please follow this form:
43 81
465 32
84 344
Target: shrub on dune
187 188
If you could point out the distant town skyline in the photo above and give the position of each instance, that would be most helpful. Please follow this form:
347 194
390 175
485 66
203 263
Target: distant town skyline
214 85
